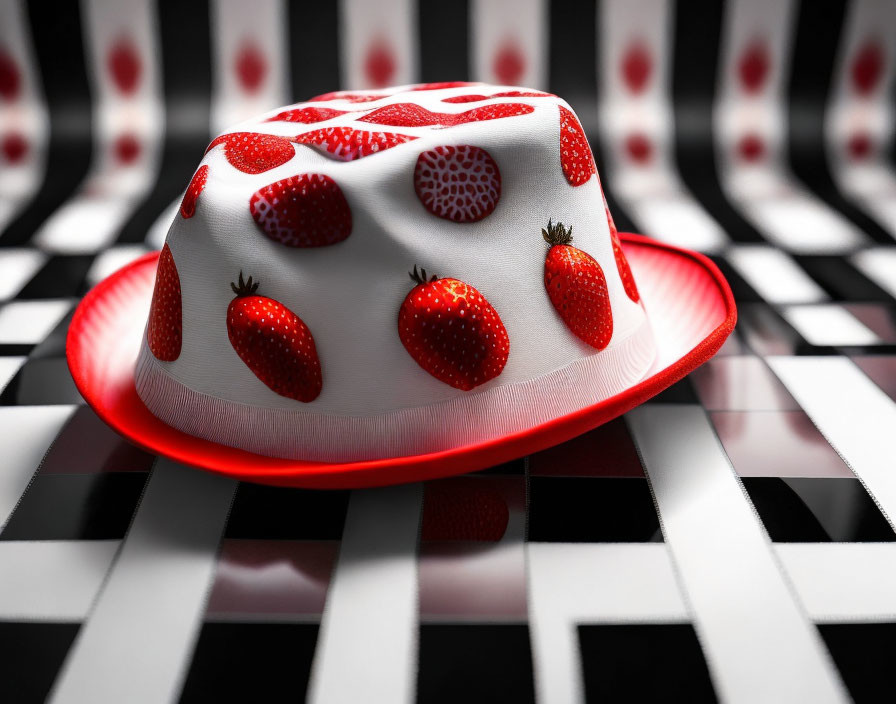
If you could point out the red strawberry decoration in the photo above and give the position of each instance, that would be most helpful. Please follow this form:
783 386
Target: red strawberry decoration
307 210
379 64
251 67
274 343
753 67
868 67
451 331
636 67
625 271
576 158
509 65
577 288
10 78
14 147
413 115
306 116
459 183
522 94
197 183
164 331
254 153
347 143
465 99
124 65
463 508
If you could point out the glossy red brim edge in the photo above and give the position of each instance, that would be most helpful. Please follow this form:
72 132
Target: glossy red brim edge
689 303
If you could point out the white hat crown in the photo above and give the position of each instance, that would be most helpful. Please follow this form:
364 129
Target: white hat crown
333 352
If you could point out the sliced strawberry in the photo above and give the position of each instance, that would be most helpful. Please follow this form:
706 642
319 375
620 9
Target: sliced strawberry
492 112
307 210
348 96
413 115
459 183
306 116
403 115
197 183
442 85
347 143
625 271
465 99
577 287
522 94
164 330
463 508
576 158
274 343
254 153
452 332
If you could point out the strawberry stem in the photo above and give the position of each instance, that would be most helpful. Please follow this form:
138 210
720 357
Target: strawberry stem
419 277
244 288
556 234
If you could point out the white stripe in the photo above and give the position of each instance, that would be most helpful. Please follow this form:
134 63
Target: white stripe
853 414
828 325
509 25
110 192
365 25
766 192
367 646
879 265
26 433
9 367
53 580
17 266
843 581
775 275
870 179
137 642
29 322
577 583
652 192
759 645
237 26
25 115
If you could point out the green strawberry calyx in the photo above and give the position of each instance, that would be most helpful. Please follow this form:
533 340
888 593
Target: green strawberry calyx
556 233
244 288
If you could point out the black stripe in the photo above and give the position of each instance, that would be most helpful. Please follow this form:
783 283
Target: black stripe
444 41
185 45
59 50
314 48
695 68
841 280
818 30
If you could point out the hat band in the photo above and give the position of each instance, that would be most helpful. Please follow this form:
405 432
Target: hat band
468 419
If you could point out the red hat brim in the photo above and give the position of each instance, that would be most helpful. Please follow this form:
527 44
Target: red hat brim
687 299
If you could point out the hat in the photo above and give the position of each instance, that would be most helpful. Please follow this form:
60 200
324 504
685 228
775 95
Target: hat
376 287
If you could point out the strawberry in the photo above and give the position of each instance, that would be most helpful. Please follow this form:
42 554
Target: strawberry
868 67
459 183
306 116
403 115
522 94
164 330
197 183
509 65
10 78
491 112
576 158
451 331
464 99
625 271
252 152
306 210
413 115
753 67
127 149
347 143
463 508
348 97
14 147
577 288
274 343
379 64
